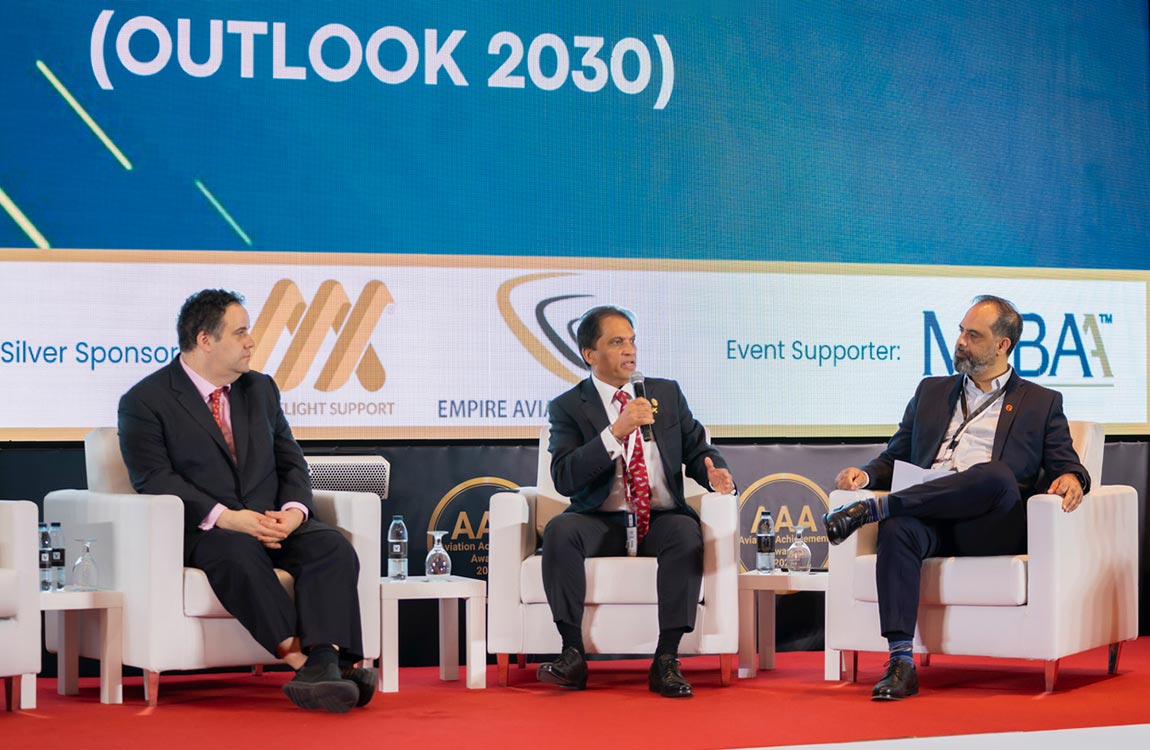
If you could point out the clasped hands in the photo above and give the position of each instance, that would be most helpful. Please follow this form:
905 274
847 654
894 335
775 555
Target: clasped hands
269 528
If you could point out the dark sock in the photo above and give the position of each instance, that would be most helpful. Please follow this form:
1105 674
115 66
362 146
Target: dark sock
901 649
668 644
572 636
321 656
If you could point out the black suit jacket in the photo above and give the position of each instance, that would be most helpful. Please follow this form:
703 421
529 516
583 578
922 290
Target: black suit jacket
1032 437
582 468
172 446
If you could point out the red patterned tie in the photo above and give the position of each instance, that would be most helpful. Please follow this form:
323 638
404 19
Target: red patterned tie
215 401
638 485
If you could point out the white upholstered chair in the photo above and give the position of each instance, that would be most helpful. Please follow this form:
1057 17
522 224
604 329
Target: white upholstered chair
1076 589
172 620
621 615
19 602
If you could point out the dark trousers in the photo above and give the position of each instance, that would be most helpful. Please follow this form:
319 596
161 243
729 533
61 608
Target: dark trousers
973 513
674 538
326 570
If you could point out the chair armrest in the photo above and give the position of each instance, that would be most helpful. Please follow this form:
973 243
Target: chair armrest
139 551
719 516
19 566
358 516
1085 561
841 568
511 539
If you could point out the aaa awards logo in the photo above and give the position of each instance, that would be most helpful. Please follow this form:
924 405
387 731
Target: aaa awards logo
463 514
794 501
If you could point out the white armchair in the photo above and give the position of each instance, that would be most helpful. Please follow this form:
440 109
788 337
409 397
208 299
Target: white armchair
1076 589
172 619
19 602
621 615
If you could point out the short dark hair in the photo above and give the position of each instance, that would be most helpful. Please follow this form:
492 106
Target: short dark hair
591 325
204 311
1009 322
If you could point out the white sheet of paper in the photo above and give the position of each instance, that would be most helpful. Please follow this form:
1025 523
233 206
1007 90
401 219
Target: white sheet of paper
908 475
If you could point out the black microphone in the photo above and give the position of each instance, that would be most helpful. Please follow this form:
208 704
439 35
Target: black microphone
641 392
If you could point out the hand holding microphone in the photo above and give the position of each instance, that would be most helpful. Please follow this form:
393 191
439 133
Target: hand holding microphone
637 414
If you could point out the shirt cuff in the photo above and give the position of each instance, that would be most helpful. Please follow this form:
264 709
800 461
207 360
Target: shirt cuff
866 480
209 521
298 506
615 449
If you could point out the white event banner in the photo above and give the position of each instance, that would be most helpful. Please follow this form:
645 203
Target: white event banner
397 347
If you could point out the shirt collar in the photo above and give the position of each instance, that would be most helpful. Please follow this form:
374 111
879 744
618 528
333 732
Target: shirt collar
607 392
995 384
203 387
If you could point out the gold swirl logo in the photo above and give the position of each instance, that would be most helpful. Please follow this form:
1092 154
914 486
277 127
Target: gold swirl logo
330 311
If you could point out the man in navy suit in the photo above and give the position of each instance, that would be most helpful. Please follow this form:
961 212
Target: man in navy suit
1004 438
209 430
600 459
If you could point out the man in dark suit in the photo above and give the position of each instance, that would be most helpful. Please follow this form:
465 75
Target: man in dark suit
600 459
1004 438
209 430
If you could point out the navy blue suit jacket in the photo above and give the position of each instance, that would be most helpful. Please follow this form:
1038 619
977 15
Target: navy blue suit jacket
1032 437
582 468
172 446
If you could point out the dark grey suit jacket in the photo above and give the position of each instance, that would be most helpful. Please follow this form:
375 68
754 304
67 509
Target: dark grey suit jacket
582 468
1032 437
173 446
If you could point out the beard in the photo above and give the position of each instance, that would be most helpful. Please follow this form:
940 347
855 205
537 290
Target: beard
970 364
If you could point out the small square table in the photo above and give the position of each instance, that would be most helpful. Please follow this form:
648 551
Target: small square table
757 602
448 590
67 607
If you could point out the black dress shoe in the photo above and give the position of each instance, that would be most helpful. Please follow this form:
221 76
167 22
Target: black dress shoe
322 687
569 670
366 680
844 521
666 679
900 681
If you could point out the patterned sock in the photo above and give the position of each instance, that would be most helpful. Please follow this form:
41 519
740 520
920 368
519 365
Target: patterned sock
876 509
902 650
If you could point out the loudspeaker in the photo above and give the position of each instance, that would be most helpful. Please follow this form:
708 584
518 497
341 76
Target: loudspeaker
356 473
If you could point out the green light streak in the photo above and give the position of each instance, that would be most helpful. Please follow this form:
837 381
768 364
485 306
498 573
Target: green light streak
75 105
22 221
223 212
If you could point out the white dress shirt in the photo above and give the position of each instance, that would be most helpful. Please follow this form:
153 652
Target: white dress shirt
661 498
976 443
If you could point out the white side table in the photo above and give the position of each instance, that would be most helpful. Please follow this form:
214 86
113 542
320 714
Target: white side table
67 607
757 601
448 590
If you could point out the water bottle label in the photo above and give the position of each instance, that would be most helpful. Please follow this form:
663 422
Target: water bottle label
397 549
766 543
57 557
45 558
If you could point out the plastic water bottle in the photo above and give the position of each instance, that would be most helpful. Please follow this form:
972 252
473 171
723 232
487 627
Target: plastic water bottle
397 549
56 534
765 551
45 558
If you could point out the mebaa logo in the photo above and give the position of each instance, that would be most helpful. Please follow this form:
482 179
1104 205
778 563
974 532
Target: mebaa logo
1078 342
331 310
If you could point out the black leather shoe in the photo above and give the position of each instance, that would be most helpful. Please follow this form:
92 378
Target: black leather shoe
321 687
666 679
844 521
366 680
569 670
900 681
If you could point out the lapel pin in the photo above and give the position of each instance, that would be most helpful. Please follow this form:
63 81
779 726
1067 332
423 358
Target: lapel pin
1010 407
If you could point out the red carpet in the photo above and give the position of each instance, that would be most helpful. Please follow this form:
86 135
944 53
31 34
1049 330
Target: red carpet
790 705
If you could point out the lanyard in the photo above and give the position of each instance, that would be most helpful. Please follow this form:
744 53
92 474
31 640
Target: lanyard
968 417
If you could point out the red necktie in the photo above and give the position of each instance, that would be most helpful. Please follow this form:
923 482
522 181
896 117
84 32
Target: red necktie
638 485
215 401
